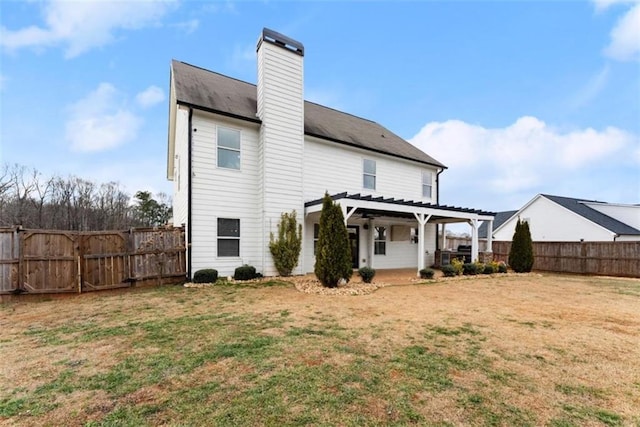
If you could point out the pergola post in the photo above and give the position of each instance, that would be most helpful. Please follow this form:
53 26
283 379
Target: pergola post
474 239
372 234
422 221
443 245
489 236
347 213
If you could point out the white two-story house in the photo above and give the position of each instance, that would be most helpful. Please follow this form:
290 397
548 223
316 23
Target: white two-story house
241 154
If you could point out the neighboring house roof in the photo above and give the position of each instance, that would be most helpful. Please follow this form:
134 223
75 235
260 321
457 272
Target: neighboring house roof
578 206
224 95
499 219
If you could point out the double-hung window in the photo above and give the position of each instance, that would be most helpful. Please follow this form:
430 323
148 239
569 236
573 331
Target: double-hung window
427 178
228 148
316 236
369 174
228 237
380 241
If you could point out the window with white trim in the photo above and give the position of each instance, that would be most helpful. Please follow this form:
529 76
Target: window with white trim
228 237
369 174
316 235
427 179
380 241
228 148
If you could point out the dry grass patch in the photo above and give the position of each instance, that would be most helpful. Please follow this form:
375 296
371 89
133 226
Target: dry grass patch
524 350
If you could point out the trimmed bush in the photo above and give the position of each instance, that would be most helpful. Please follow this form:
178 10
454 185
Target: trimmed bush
488 269
206 275
457 266
469 269
521 253
286 249
245 272
502 267
367 274
333 252
449 271
427 273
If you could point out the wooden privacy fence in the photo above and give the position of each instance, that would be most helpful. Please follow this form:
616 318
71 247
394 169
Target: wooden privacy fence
602 258
47 261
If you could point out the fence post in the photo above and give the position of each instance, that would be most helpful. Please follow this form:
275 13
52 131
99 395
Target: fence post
79 274
20 248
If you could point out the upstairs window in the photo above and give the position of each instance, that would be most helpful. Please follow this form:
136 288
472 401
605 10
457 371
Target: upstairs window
369 174
228 148
228 237
427 178
380 241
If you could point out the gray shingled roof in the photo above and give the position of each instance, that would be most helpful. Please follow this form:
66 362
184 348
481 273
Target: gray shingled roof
498 220
220 94
577 206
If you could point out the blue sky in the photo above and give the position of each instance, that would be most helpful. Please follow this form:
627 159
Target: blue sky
517 98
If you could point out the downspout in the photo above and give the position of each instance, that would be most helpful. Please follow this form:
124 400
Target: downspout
438 186
437 203
189 175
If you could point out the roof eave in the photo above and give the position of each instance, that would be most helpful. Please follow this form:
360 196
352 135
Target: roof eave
350 144
220 112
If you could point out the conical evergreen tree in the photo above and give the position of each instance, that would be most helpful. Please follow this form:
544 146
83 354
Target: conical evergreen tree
521 253
333 254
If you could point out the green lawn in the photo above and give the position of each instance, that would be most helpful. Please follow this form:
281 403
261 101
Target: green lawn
266 355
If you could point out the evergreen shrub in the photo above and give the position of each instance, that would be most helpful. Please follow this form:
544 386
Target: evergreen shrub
521 253
206 275
286 249
333 252
367 274
245 272
469 269
427 273
449 270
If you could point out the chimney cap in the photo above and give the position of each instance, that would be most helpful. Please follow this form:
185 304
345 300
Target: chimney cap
281 40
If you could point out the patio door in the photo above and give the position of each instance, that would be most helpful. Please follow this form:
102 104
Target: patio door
354 244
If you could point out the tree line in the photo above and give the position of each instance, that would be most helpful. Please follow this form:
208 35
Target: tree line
31 200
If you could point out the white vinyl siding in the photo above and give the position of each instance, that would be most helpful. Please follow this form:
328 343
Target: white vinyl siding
369 174
550 222
228 148
334 167
223 193
281 144
180 178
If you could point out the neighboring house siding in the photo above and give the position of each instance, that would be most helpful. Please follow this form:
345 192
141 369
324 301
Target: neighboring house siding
336 168
552 222
181 169
224 193
629 215
280 107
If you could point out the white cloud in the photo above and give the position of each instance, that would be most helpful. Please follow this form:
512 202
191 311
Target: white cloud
526 157
150 97
100 121
82 25
592 88
625 37
188 27
605 4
